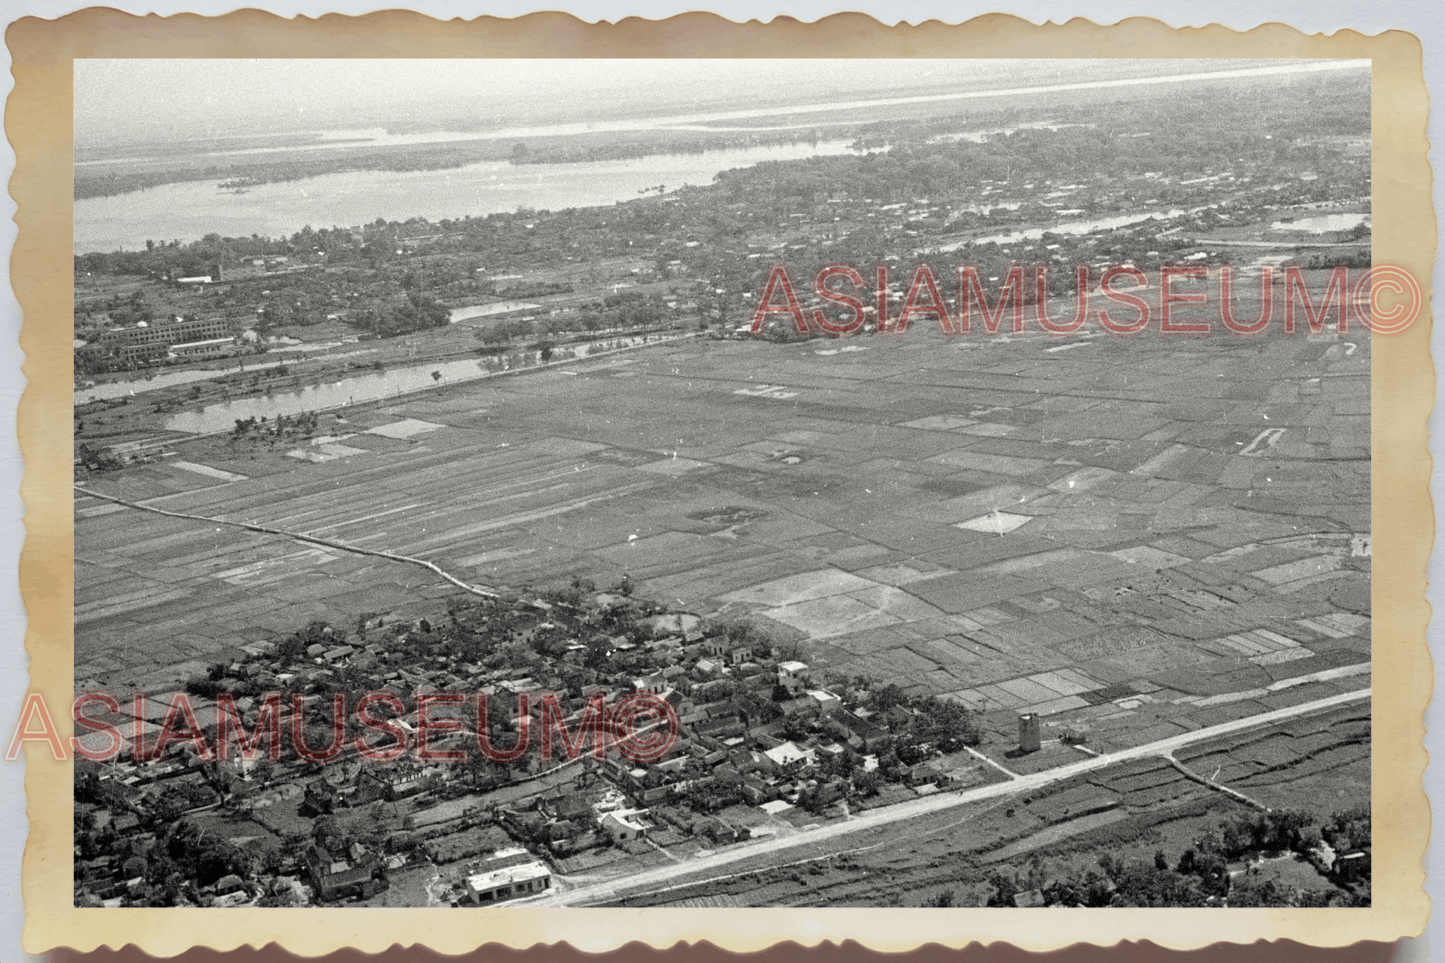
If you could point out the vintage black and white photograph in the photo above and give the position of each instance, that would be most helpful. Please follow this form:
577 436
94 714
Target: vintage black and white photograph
723 483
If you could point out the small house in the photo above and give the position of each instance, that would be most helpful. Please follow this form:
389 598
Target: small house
622 825
792 676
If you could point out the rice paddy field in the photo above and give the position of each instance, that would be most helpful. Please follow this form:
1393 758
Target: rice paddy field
1132 536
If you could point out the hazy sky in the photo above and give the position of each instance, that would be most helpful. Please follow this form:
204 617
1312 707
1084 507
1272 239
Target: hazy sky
119 101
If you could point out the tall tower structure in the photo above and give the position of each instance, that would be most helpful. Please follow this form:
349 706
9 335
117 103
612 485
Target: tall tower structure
1029 732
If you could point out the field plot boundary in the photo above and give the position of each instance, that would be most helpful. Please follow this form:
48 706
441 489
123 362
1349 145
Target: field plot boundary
313 539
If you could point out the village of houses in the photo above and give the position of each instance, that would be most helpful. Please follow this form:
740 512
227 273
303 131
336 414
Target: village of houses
765 748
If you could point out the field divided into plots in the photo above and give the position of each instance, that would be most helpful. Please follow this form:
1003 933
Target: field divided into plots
1081 533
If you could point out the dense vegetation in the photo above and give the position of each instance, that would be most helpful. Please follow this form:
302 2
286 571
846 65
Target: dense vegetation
1201 875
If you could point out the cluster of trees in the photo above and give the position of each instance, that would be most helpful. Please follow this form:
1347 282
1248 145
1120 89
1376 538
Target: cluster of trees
293 648
98 459
1358 259
628 309
218 679
1201 875
919 721
185 857
303 425
524 290
174 259
365 826
624 310
502 332
204 856
418 313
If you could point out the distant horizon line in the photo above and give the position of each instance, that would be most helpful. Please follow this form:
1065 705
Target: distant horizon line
641 123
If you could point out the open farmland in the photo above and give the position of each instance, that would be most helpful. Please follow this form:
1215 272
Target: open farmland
1018 527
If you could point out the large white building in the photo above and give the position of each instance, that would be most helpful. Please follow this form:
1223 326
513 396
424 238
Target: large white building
509 883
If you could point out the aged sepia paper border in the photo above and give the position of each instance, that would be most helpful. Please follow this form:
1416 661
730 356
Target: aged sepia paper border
38 125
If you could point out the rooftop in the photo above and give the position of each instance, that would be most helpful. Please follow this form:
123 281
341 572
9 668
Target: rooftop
508 876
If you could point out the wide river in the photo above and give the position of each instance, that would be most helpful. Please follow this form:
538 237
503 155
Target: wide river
192 209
